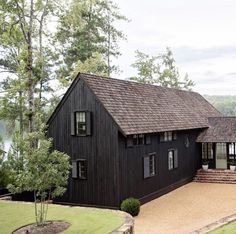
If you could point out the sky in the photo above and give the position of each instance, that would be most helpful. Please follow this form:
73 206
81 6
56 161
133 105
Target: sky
201 34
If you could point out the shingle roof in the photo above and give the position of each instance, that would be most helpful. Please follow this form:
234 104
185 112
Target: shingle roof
140 108
221 129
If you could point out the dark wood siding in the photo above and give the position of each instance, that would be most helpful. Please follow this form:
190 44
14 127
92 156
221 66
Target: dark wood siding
132 182
100 149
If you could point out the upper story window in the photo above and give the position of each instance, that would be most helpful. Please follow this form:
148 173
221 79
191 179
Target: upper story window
79 169
168 136
172 159
149 165
138 139
207 151
80 119
81 123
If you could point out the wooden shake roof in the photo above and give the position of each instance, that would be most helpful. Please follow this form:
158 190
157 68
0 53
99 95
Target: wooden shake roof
140 108
221 129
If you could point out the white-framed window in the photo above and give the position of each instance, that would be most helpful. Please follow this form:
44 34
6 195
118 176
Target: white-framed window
138 139
80 120
172 159
149 165
168 136
232 151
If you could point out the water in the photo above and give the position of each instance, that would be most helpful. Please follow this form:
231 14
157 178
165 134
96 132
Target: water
7 145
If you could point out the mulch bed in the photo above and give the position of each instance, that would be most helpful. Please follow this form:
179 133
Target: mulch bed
50 227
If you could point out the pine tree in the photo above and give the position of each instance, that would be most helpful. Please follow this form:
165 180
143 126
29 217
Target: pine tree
160 70
88 38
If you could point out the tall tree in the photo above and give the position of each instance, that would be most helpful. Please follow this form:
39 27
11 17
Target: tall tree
160 70
25 56
88 37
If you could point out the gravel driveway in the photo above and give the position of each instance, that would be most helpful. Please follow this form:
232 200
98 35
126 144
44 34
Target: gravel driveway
186 209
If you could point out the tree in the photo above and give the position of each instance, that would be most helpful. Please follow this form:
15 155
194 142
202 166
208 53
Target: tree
25 59
39 170
3 166
160 70
87 36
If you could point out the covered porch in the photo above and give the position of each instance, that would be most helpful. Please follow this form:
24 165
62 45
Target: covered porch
219 155
218 142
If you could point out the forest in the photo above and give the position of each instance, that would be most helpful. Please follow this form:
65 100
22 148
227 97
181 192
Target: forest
226 104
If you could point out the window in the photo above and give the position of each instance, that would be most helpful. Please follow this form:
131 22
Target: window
82 169
81 123
80 119
232 151
172 159
79 169
168 136
138 139
149 168
207 151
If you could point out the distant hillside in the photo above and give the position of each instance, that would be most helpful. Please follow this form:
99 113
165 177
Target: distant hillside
225 104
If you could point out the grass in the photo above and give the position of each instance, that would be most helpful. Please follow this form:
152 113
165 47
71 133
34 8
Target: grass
83 220
229 228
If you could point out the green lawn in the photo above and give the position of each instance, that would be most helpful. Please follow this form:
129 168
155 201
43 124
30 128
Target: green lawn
229 228
82 220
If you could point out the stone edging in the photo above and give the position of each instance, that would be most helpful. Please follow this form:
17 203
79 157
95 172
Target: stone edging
127 227
215 225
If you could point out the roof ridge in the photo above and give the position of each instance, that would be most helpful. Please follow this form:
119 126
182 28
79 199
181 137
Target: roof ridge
138 83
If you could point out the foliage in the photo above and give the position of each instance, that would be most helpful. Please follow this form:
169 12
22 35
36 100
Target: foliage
26 60
226 104
3 166
131 206
2 128
82 220
160 70
88 38
37 169
205 162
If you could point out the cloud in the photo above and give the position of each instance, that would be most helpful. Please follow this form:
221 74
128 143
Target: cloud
191 54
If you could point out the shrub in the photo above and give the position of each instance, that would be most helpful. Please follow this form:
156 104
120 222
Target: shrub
131 205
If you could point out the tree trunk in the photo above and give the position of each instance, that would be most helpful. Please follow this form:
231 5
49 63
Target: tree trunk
30 71
108 46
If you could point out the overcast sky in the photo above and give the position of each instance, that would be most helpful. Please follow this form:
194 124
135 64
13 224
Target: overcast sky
201 34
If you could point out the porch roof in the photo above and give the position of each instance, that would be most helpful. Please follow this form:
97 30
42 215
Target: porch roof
221 129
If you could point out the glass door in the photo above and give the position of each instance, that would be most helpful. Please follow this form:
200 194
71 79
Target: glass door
221 156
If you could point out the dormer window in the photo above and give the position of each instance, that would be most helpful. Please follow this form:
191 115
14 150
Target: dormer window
138 139
168 136
80 119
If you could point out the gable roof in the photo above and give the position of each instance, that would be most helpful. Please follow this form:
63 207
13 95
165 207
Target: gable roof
221 129
141 108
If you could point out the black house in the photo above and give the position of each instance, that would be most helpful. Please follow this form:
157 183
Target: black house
127 139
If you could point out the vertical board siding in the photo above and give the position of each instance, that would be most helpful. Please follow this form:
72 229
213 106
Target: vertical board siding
100 149
132 182
115 171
